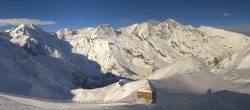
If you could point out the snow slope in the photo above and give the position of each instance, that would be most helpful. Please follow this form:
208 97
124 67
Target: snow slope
23 74
180 77
190 84
175 86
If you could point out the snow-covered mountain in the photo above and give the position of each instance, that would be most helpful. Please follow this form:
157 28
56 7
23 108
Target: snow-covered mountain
141 49
43 64
36 63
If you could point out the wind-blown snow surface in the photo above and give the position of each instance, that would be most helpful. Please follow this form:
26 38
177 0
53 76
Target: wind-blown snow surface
184 63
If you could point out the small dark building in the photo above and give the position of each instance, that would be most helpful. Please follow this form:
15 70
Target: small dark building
147 92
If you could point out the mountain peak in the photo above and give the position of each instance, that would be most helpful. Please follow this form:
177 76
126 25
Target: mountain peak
19 29
143 27
33 26
64 32
105 29
36 28
170 20
170 23
20 26
32 29
105 25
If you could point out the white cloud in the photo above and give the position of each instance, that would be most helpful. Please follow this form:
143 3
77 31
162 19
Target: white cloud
18 21
127 21
243 29
153 22
227 14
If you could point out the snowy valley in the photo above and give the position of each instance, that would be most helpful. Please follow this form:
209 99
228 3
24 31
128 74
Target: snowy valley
182 62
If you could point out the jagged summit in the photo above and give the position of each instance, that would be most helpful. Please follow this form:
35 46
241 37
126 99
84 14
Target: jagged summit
171 24
32 29
64 32
35 27
21 25
105 25
170 20
104 30
143 30
20 28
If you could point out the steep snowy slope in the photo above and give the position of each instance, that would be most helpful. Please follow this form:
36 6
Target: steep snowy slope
22 74
227 39
236 67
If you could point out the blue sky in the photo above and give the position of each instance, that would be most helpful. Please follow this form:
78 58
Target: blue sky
74 14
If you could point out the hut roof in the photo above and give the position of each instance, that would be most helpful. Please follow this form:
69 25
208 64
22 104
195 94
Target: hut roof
146 87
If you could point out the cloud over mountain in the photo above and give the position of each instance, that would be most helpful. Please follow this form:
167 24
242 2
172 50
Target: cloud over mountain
227 14
243 29
18 21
